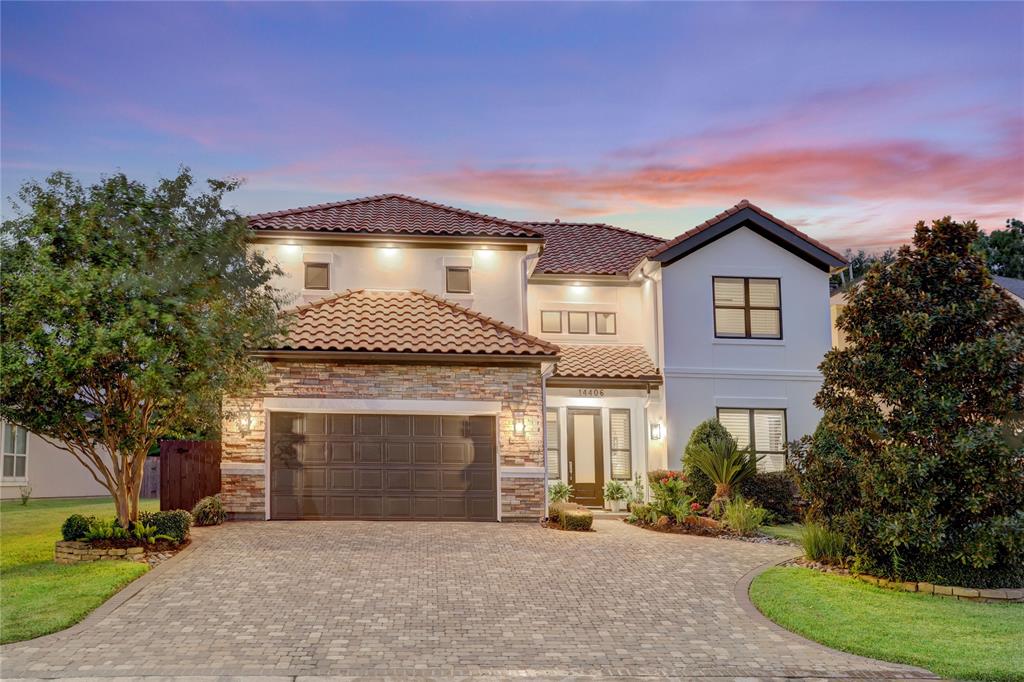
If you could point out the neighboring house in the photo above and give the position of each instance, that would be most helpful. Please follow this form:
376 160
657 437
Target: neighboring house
1013 287
30 461
444 364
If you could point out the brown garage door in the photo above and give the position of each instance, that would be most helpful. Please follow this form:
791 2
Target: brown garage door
371 466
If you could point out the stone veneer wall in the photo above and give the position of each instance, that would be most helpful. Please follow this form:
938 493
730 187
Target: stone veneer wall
73 552
517 388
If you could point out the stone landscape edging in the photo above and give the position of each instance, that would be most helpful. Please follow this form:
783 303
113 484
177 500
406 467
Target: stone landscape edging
118 598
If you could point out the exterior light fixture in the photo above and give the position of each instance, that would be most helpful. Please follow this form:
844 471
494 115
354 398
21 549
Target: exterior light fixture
657 431
245 421
518 423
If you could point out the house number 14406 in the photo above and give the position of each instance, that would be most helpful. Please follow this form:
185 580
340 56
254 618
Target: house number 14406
592 392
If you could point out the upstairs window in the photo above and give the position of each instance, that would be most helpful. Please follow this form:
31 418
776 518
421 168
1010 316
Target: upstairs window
604 323
766 429
15 452
579 322
457 280
318 276
747 307
551 321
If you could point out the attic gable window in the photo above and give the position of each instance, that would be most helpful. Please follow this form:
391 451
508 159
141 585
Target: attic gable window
747 307
318 276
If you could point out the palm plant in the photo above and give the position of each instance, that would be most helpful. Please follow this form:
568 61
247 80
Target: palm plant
726 465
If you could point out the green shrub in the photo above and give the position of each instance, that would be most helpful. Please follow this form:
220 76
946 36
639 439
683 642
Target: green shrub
668 492
555 511
615 491
698 483
825 475
743 516
559 491
775 491
102 529
726 465
577 519
174 524
209 511
644 513
824 545
75 527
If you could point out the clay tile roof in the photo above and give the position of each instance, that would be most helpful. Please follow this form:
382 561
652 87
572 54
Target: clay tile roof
601 361
389 214
591 248
744 204
374 321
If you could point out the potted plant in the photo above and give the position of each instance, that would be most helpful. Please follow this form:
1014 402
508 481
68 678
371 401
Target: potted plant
559 492
616 494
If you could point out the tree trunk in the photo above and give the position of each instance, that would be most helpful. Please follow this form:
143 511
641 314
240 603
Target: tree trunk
723 491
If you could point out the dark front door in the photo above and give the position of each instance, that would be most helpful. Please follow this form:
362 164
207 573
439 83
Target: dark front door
382 466
586 458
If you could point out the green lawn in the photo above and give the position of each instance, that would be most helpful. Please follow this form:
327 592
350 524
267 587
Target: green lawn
789 531
37 596
956 639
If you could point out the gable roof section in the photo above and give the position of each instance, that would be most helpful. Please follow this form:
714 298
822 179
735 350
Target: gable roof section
374 321
591 248
389 214
746 214
602 361
1014 286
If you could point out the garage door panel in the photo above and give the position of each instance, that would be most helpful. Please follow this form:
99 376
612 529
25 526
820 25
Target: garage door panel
343 466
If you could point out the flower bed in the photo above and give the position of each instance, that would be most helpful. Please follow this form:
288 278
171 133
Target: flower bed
155 537
706 527
78 551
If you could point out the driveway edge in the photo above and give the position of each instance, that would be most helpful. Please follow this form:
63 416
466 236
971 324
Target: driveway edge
118 598
742 594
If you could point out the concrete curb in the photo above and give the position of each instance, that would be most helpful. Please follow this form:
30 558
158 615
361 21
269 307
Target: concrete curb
742 593
118 598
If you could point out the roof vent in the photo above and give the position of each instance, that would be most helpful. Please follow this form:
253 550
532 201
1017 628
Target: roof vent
558 220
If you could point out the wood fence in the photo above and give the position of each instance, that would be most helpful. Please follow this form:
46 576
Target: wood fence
189 471
151 478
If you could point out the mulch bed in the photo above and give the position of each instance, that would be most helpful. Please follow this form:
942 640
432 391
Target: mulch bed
711 529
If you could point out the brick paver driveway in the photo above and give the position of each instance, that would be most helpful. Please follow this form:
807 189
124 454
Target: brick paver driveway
392 599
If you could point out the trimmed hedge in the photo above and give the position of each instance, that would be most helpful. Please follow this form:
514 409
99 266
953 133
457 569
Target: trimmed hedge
775 491
76 526
577 519
174 523
209 511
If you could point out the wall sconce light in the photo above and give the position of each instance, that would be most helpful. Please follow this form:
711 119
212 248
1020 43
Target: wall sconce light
245 421
657 431
518 423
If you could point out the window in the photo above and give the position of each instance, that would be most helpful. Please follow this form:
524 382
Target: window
747 308
766 429
15 451
552 438
604 323
457 280
622 453
579 323
318 276
551 321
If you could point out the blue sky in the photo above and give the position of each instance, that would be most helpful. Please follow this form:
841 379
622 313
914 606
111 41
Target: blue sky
851 120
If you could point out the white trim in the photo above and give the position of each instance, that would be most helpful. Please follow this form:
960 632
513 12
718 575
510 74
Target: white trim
745 403
522 472
241 468
754 374
345 405
716 341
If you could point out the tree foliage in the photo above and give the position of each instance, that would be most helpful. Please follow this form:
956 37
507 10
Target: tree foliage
1003 250
128 311
922 400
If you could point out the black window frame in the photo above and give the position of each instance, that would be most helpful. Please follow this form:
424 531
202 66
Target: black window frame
548 312
568 320
326 267
447 279
753 436
746 308
615 324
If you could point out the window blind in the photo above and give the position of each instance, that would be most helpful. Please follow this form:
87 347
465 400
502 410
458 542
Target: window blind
621 451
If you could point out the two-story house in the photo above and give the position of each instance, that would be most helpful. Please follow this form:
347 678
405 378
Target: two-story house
443 364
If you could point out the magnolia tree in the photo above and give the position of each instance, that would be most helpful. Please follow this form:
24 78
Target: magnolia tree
924 411
127 312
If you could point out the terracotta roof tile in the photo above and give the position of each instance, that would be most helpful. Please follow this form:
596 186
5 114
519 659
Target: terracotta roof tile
591 248
386 214
375 321
601 361
744 204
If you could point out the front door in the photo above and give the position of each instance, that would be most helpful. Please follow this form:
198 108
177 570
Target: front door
586 459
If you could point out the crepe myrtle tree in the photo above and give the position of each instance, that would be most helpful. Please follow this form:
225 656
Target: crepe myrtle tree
127 312
927 400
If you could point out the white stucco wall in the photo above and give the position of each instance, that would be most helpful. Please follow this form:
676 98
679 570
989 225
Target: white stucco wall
52 473
496 273
702 372
624 300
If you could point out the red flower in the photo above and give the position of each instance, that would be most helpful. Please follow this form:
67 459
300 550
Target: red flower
695 506
664 481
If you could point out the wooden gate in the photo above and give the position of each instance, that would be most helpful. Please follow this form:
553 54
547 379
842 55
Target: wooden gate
151 478
189 471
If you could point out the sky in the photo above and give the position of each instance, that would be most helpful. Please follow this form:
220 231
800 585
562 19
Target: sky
851 121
